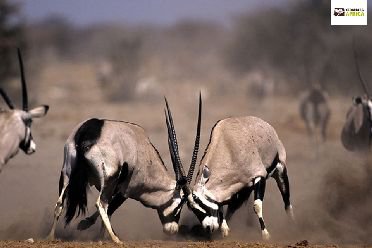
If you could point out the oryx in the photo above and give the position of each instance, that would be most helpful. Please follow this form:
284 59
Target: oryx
15 124
242 154
118 158
315 110
356 132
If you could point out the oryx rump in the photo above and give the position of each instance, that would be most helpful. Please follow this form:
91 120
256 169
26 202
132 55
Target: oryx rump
15 124
242 153
120 161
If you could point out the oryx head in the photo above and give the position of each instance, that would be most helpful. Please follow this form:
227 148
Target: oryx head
202 205
16 123
170 213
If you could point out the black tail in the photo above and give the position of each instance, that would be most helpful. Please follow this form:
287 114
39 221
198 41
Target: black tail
76 192
86 136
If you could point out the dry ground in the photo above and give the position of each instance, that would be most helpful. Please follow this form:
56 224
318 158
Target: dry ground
156 243
330 186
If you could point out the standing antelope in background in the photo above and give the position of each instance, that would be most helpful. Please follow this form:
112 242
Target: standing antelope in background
15 124
120 161
241 155
315 111
356 132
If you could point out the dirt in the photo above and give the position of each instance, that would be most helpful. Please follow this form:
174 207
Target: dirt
156 243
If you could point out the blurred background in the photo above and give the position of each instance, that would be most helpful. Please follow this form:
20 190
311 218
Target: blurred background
117 59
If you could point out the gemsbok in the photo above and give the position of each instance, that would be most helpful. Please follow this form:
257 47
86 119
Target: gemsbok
241 155
357 130
118 159
315 111
15 124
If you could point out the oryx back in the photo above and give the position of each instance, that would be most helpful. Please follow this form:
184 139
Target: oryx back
240 150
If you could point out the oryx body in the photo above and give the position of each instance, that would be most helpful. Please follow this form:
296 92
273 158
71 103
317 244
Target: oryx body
15 124
356 132
120 161
315 111
242 153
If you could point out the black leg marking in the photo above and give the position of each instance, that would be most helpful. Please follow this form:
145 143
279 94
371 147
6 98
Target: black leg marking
237 201
115 203
259 193
281 178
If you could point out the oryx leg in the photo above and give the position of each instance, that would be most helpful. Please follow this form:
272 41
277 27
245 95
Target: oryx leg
281 177
235 203
63 182
114 204
102 204
222 222
259 193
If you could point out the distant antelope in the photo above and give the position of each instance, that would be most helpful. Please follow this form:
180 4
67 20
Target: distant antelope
241 155
357 130
120 161
315 111
15 124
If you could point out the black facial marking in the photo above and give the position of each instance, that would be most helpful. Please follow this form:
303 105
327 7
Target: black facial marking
209 211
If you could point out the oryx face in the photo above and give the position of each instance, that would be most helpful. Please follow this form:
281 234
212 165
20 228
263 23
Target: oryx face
170 213
27 143
205 209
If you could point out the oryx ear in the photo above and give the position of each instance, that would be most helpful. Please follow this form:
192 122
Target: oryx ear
358 117
205 174
38 112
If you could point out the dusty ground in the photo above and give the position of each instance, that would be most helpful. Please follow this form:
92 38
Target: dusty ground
330 186
155 243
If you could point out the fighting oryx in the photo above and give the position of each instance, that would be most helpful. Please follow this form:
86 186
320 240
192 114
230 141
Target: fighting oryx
241 155
315 111
15 124
357 130
118 159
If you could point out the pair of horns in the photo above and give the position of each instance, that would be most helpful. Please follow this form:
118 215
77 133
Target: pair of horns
24 87
183 181
364 84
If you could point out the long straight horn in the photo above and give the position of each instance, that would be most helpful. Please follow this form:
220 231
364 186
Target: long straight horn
364 85
23 82
171 148
196 144
6 99
174 141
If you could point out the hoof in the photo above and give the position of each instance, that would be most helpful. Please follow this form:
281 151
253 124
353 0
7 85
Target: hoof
290 213
117 241
224 229
50 237
265 235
